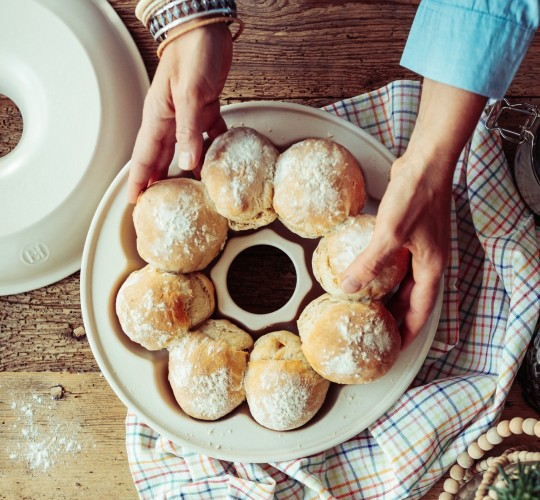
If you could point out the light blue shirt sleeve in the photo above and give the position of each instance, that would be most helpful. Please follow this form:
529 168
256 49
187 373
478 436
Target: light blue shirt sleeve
475 45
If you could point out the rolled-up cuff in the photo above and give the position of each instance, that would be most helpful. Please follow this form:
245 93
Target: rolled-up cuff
471 50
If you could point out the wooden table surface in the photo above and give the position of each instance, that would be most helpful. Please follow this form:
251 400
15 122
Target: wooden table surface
312 52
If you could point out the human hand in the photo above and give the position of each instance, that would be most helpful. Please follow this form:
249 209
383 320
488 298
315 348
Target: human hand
414 213
181 104
415 209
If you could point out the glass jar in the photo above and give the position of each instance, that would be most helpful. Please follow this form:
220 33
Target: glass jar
526 136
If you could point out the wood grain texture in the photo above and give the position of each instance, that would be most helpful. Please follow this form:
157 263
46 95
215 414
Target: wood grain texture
261 279
11 125
312 52
36 330
69 448
317 52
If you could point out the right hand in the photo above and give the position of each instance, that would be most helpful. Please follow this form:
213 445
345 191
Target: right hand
415 209
414 213
181 104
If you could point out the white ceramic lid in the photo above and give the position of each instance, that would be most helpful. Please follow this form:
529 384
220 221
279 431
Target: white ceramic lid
139 377
79 81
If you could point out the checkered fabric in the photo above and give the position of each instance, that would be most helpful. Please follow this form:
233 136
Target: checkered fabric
490 309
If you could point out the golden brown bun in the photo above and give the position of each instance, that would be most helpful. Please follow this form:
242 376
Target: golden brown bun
207 367
349 342
338 249
318 184
154 307
177 226
238 173
223 329
282 390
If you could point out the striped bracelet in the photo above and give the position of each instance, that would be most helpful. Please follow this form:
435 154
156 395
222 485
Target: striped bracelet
161 16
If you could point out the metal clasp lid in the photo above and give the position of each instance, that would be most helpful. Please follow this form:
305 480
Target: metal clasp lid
523 132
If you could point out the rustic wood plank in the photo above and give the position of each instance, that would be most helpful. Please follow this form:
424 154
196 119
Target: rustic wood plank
332 49
37 330
304 50
69 448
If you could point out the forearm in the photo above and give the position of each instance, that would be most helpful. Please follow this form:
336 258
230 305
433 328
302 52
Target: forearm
446 120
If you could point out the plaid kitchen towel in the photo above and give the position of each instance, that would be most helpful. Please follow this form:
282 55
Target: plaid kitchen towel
490 309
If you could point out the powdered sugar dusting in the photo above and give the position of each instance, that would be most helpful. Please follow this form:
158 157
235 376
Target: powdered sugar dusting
318 173
348 242
363 338
142 329
247 161
241 162
210 392
344 363
178 225
141 319
150 304
178 228
284 403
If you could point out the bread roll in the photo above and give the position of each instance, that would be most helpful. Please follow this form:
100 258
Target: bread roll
154 307
338 249
318 184
238 173
282 390
177 226
207 367
349 342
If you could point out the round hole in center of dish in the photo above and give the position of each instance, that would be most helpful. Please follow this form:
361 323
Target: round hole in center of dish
261 279
11 125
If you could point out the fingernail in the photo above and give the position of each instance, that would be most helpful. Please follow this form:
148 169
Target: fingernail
184 160
350 285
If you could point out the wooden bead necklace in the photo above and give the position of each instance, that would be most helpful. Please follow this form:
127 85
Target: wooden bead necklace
463 470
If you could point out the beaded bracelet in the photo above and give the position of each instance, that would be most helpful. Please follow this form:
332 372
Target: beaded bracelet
145 8
463 470
160 16
203 22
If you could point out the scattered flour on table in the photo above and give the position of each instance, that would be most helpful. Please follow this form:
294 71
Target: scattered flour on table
44 440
